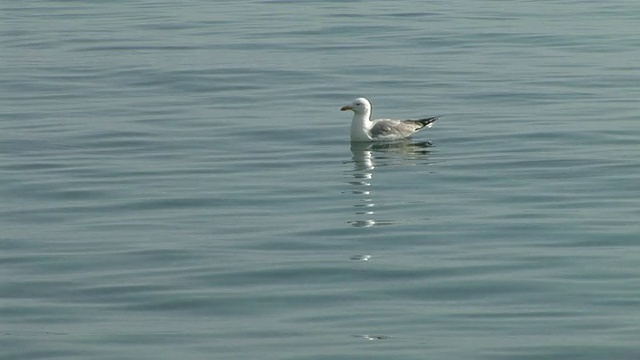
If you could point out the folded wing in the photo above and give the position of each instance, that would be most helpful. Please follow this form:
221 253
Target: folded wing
398 129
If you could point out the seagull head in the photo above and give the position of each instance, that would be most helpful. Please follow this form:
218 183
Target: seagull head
358 106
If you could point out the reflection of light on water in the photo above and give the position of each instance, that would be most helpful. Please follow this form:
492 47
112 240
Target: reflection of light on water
372 337
362 223
405 153
362 174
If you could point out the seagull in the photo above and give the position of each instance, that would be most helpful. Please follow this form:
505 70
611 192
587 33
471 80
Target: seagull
363 129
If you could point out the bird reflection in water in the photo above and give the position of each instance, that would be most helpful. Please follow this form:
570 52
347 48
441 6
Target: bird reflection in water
364 165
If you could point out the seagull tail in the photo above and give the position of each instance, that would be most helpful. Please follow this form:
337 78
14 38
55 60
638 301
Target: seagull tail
427 122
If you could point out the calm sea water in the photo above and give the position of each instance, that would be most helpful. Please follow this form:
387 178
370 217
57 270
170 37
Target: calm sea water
178 182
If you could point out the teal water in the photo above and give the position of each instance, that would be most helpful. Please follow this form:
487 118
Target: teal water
178 181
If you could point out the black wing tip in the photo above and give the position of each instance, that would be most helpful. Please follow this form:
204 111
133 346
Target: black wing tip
427 121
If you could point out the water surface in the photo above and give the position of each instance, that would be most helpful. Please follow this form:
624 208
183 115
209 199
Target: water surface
178 181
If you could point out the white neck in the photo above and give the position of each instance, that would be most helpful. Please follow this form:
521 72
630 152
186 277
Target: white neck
360 125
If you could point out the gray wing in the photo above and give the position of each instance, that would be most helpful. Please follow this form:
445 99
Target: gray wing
394 129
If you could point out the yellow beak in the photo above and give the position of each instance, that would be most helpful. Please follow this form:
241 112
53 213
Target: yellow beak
346 107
